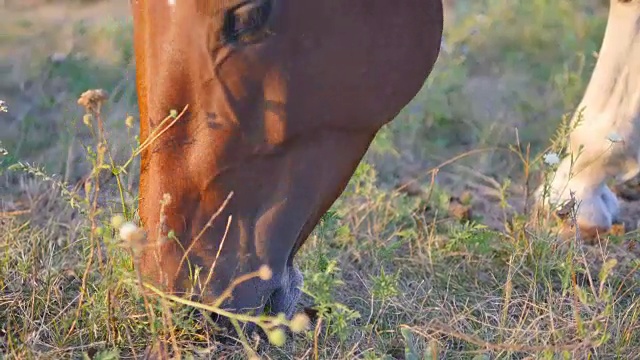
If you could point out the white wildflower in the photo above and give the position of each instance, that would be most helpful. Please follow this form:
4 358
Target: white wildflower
615 138
3 106
551 158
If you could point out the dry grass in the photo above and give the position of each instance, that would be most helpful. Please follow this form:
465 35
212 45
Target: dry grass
445 267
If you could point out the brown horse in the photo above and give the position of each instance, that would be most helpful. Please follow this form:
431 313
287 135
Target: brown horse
282 99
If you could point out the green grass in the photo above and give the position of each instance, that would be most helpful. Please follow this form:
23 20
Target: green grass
404 277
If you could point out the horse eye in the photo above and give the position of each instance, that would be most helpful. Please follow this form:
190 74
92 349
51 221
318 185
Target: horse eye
247 23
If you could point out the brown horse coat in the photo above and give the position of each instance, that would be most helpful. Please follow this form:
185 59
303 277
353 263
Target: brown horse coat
284 98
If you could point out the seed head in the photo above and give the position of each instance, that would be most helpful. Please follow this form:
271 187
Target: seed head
99 231
130 233
90 99
117 221
265 273
299 323
277 337
129 121
86 119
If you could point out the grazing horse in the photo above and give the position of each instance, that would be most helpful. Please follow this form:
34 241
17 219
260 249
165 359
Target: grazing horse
278 101
281 100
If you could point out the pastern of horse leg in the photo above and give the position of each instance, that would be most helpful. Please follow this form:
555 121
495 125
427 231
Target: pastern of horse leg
611 202
595 215
597 205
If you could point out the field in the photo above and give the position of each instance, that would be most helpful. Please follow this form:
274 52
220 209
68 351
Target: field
429 253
